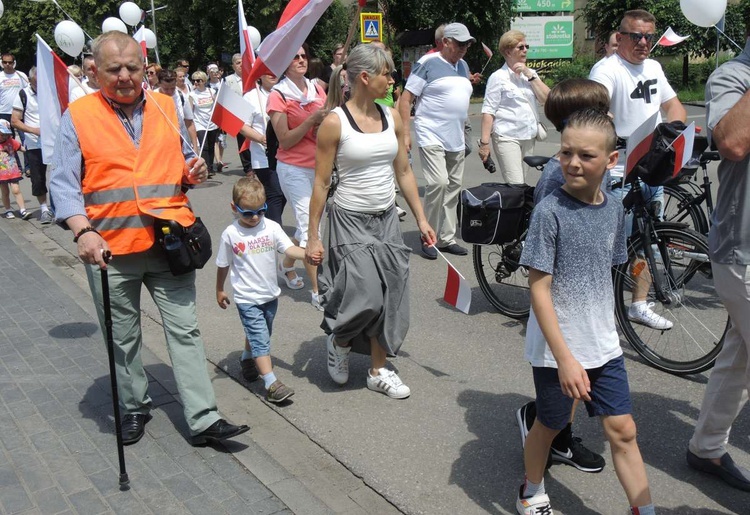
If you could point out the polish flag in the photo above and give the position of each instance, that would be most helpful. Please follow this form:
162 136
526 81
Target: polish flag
487 51
140 37
670 38
246 50
230 111
295 25
639 142
457 290
53 93
683 148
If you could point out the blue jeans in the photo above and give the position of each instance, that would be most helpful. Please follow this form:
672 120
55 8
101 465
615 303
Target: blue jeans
257 320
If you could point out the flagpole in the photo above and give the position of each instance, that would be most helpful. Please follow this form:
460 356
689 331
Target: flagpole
176 129
210 116
449 263
730 39
485 66
352 28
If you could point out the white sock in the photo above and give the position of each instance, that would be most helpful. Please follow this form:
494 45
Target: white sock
44 207
638 304
268 379
643 510
533 489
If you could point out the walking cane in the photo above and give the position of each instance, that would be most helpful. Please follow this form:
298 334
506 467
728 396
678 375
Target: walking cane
124 481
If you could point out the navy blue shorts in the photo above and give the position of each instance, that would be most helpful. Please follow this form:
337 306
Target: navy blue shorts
610 394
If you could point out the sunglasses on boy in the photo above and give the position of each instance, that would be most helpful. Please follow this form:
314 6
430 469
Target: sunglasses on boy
251 213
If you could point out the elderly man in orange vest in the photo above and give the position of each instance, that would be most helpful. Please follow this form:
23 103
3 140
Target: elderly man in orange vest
109 184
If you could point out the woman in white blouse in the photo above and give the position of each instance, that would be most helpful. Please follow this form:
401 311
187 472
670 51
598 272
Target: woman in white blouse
202 102
510 115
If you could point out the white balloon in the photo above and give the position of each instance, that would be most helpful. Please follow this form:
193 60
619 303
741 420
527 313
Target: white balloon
703 13
150 38
254 37
113 23
69 37
2 9
130 13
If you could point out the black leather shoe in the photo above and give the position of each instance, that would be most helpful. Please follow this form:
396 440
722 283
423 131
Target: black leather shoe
133 426
731 473
218 431
429 252
249 370
454 248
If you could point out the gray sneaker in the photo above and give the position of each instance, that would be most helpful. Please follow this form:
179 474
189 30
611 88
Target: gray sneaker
46 218
278 392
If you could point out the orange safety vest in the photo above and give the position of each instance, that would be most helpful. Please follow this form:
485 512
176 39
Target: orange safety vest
124 187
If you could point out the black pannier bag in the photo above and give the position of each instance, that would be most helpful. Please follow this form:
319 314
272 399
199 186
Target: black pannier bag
657 166
493 212
187 248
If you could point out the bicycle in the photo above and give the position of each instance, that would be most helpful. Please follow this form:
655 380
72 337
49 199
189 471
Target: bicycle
681 288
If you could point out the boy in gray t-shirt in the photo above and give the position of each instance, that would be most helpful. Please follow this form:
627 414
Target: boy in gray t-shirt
576 235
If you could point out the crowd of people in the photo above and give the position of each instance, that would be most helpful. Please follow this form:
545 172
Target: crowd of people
335 141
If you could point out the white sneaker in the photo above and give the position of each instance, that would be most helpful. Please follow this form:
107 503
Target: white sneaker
46 218
388 382
316 302
400 212
643 314
537 505
338 361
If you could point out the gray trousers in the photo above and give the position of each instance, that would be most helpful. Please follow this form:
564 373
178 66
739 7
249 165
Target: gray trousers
443 172
175 298
727 387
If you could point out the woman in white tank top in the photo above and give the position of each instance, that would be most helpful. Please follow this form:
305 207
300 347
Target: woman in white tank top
364 287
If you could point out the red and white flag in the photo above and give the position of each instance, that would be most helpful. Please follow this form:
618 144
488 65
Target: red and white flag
230 111
639 142
683 148
487 51
457 290
670 38
246 49
279 47
140 37
53 94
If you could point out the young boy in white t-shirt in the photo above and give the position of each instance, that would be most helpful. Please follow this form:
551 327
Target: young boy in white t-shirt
576 235
247 254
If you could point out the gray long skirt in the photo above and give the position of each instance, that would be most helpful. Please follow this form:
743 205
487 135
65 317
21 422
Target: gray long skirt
364 285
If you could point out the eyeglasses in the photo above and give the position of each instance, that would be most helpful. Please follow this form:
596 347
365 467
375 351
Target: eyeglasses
299 57
198 80
151 72
250 213
9 62
636 37
523 47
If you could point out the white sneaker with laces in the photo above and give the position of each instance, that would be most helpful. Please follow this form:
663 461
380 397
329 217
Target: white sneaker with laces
338 361
641 313
389 383
537 505
400 212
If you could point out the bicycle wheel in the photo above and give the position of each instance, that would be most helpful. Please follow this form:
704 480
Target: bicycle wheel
503 281
679 207
699 318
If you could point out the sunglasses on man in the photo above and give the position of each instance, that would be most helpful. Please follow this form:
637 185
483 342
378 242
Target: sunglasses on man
636 37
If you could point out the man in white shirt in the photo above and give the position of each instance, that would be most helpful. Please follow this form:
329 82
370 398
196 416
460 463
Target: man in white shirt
440 83
90 83
637 88
168 86
25 118
11 82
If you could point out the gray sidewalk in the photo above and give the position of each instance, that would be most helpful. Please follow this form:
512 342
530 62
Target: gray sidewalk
58 451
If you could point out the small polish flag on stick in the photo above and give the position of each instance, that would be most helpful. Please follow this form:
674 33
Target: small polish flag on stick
457 289
53 93
140 37
670 38
639 142
246 49
683 148
230 111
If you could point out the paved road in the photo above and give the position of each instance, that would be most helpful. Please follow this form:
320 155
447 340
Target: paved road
453 447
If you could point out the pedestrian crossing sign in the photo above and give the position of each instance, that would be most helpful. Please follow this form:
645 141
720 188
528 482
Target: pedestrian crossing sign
370 27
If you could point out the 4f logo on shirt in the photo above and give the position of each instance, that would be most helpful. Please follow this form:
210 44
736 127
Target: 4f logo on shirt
644 90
